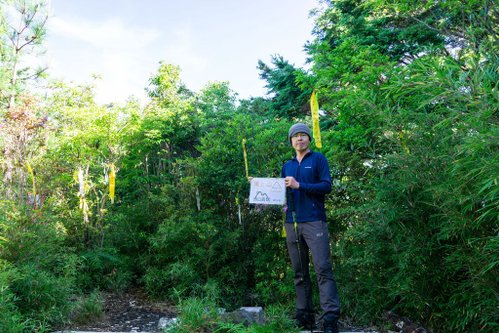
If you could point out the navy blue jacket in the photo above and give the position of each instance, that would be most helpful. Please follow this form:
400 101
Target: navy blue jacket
315 182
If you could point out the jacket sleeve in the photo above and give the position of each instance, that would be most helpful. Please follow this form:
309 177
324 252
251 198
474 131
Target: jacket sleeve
323 186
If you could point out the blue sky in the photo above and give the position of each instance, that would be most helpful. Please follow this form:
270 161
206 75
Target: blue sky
219 40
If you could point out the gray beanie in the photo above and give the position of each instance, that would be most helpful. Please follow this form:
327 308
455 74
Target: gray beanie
299 128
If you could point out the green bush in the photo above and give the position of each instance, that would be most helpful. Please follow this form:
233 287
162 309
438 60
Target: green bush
189 253
273 272
195 315
11 320
40 271
41 295
104 268
88 309
420 242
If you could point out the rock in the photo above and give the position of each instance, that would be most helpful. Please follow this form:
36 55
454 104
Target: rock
254 315
165 322
245 315
404 324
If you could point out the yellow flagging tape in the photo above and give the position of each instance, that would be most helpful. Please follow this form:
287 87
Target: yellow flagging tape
245 157
112 182
314 108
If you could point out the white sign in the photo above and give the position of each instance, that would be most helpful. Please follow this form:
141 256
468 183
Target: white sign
267 191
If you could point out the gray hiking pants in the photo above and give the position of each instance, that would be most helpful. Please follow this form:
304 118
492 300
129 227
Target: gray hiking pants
313 237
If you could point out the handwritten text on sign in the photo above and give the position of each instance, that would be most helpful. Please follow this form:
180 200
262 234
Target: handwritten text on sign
268 191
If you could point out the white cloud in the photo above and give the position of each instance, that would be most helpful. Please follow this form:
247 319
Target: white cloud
111 33
180 50
118 53
209 42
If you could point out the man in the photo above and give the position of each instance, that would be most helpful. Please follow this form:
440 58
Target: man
308 180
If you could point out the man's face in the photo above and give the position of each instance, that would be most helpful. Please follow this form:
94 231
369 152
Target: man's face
300 142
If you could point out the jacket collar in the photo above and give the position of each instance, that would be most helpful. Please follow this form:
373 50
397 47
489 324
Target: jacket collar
310 152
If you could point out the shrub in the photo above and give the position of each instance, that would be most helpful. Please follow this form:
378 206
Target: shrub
88 308
195 315
10 317
38 272
104 268
41 295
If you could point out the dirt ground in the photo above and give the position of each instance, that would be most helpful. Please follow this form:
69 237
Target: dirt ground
133 311
128 312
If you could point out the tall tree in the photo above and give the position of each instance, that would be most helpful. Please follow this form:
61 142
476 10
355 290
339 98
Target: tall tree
23 25
22 30
287 98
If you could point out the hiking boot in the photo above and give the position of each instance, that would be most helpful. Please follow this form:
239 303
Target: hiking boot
330 326
304 319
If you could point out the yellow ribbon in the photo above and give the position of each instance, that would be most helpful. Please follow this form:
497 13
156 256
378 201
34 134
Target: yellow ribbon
245 157
112 180
403 142
314 108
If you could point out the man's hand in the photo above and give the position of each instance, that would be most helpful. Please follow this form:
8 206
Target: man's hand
291 183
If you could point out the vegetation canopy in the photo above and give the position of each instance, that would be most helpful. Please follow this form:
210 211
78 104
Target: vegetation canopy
111 197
